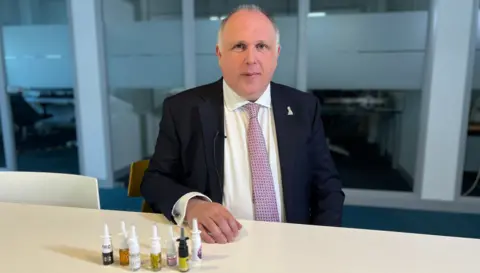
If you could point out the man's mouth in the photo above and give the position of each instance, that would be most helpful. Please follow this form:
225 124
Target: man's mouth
251 74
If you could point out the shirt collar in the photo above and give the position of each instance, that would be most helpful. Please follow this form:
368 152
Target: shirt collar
233 101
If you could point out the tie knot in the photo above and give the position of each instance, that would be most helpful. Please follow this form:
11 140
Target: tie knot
252 109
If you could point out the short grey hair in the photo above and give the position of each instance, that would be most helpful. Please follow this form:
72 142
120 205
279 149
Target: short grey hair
247 8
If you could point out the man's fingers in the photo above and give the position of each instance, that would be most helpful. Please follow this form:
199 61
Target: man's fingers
232 222
222 223
218 224
214 231
233 226
239 226
205 236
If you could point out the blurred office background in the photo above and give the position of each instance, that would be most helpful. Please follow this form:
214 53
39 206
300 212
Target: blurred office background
84 81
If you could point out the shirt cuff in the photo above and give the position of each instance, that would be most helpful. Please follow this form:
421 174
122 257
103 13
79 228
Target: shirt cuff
180 208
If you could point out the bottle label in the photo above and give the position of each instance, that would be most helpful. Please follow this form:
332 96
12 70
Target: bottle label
135 262
183 264
124 257
171 260
107 258
156 261
106 248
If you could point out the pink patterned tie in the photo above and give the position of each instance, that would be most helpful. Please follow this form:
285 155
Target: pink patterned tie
264 198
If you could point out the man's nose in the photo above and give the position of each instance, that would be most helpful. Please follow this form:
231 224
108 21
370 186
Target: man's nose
250 56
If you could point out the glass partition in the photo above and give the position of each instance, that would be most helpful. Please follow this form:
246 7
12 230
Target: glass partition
144 58
39 77
365 64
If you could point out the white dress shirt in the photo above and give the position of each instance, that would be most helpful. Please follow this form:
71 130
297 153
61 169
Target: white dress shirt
237 187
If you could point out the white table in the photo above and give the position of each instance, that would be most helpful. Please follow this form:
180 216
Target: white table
43 239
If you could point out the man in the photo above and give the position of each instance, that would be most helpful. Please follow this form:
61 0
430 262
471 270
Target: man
243 147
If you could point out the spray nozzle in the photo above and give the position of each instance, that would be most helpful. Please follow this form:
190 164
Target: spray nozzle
155 232
124 229
195 226
106 233
182 238
133 232
124 232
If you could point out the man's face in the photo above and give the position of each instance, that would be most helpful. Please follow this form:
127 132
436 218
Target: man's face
248 53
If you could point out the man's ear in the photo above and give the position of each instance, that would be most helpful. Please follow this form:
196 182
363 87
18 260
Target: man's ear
278 50
217 51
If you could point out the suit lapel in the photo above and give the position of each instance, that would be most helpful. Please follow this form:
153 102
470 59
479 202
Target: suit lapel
211 117
286 127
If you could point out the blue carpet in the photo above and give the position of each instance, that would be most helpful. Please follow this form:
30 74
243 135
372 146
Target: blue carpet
117 199
412 221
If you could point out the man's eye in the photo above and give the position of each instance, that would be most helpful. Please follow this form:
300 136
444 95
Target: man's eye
262 46
239 46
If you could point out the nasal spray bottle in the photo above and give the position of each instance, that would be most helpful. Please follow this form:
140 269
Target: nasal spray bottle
171 250
196 257
183 252
155 252
134 251
107 249
123 251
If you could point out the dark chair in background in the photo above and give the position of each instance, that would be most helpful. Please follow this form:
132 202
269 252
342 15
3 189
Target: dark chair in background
25 117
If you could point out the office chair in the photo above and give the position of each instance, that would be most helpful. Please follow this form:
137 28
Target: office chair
137 170
52 189
24 116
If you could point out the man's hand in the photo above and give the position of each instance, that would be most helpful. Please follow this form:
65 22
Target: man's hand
216 223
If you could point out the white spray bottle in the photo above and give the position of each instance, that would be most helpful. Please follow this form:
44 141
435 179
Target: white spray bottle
107 249
171 250
156 250
123 250
196 257
134 251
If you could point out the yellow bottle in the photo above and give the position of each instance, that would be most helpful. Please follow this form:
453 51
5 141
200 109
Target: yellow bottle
156 261
183 265
155 253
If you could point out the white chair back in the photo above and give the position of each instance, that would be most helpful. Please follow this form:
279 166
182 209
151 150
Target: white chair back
52 189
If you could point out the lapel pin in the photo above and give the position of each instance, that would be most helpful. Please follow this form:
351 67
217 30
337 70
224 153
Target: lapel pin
289 111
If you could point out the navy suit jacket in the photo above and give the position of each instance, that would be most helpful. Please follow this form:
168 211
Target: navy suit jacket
189 154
